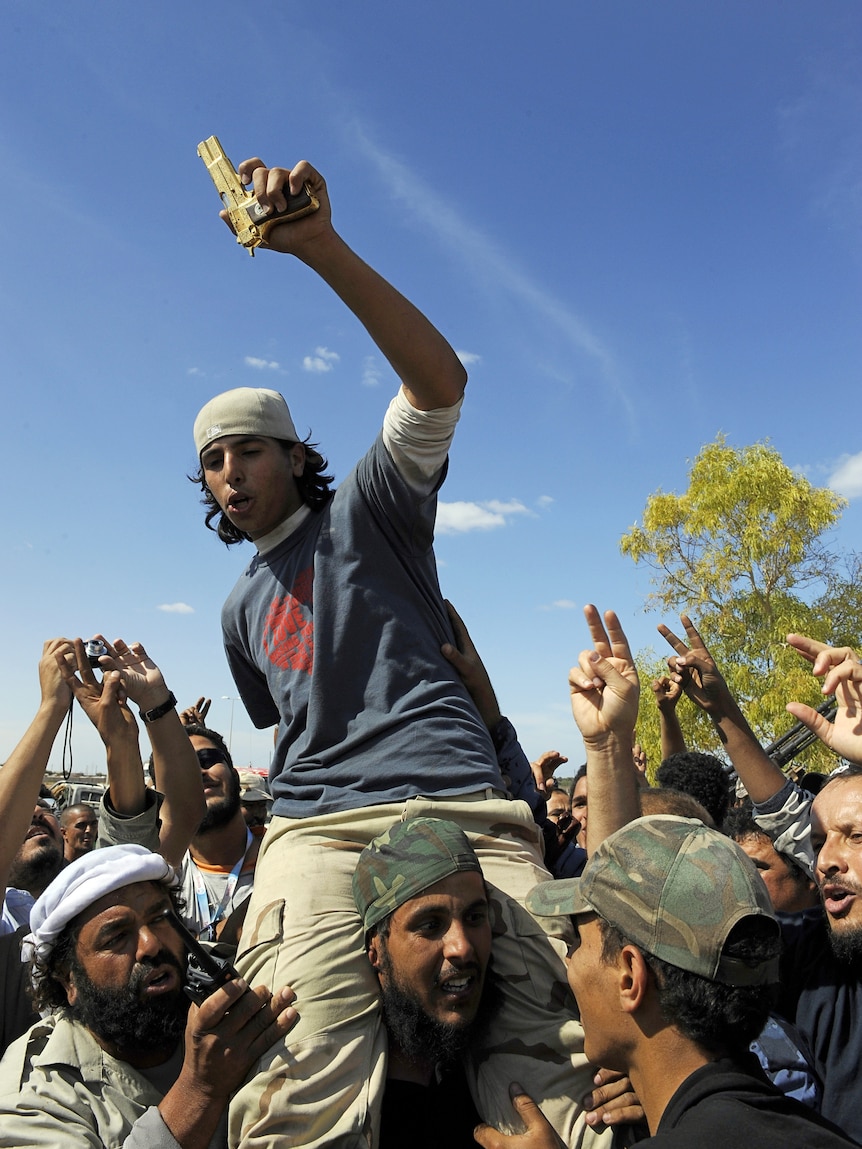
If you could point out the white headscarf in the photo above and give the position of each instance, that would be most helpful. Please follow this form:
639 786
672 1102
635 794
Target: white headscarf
82 883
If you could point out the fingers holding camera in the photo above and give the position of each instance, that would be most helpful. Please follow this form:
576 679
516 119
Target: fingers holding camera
104 702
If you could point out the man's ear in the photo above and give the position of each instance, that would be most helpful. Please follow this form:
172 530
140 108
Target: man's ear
634 975
374 950
297 458
67 980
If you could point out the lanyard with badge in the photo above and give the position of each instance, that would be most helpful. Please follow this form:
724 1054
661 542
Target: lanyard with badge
208 916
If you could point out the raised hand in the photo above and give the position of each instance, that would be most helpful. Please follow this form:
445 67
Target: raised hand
196 715
842 676
142 680
56 693
103 702
694 670
604 685
667 691
545 767
270 185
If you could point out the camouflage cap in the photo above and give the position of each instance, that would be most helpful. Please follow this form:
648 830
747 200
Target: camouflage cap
674 887
405 860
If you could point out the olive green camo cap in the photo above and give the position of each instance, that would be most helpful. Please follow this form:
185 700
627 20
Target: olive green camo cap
675 888
405 860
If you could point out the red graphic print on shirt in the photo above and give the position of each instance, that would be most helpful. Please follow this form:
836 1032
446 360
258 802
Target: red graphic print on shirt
288 633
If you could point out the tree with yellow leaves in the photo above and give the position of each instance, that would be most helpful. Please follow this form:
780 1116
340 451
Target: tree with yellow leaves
743 551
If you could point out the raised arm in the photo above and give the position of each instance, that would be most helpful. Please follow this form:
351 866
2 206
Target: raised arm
129 673
604 690
695 669
667 694
104 703
430 371
22 773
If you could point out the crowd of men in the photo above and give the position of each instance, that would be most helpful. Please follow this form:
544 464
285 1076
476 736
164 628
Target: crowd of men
409 932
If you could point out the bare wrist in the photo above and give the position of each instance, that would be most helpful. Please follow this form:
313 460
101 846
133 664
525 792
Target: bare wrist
54 708
611 744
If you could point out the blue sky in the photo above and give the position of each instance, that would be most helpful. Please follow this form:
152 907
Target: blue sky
639 224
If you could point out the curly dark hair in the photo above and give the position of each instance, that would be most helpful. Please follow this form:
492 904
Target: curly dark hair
703 776
721 1019
45 987
313 484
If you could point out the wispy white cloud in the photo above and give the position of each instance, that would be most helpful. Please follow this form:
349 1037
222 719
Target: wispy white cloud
458 518
262 364
480 254
194 371
544 501
820 135
322 360
176 608
371 373
846 479
468 358
559 604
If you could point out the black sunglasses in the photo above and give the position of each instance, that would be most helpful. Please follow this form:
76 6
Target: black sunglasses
209 757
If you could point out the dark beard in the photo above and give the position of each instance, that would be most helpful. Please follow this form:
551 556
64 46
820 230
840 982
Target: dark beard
221 812
122 1020
37 872
424 1039
847 945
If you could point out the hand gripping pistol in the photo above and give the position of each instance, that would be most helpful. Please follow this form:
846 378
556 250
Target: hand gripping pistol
249 220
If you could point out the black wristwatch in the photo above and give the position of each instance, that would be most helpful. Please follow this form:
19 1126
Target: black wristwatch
159 711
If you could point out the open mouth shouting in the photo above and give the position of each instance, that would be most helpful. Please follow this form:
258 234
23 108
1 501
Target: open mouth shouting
837 898
459 986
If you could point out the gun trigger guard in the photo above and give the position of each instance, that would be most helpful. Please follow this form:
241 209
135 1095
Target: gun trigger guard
266 227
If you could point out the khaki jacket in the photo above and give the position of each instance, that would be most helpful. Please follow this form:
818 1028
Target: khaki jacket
58 1087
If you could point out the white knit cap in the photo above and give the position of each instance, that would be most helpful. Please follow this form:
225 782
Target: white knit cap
82 883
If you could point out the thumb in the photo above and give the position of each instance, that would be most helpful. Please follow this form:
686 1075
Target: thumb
112 685
601 669
526 1108
810 718
453 655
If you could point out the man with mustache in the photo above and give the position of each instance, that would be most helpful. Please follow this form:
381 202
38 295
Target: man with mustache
430 920
124 1059
820 981
424 907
